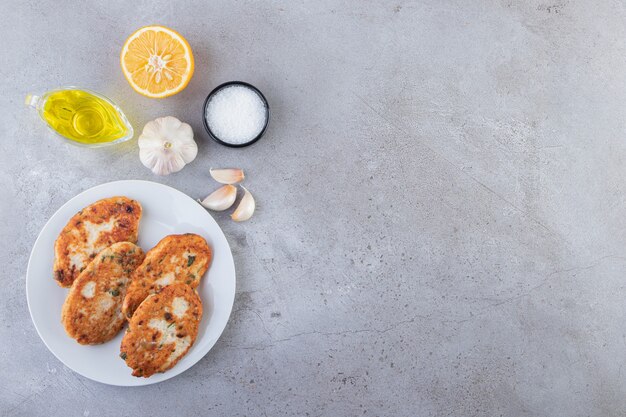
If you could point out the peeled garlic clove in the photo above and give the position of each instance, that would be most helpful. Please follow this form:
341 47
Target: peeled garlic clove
220 199
228 175
245 209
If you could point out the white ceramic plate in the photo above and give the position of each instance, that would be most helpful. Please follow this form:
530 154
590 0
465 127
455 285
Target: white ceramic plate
165 211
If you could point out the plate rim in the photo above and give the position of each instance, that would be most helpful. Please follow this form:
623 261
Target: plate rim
144 381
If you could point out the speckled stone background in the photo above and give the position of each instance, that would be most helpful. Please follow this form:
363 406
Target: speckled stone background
441 226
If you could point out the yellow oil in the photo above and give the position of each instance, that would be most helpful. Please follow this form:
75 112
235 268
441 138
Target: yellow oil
83 117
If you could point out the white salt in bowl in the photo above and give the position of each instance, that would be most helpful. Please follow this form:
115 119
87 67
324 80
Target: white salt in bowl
236 114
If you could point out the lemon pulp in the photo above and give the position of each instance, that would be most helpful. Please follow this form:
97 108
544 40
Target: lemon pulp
83 117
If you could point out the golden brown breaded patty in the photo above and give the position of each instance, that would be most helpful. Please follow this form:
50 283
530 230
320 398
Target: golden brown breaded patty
92 229
162 330
176 258
92 312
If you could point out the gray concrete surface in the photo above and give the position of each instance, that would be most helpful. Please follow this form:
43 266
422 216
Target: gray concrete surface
441 229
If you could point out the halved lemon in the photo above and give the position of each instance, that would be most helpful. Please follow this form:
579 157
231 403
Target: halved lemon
157 61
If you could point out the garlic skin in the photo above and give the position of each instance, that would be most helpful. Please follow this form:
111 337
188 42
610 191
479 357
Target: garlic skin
246 207
166 145
220 199
227 175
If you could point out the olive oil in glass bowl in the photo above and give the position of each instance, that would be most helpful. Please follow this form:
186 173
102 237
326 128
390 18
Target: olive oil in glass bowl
82 117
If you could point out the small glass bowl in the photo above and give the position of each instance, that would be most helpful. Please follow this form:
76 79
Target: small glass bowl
230 84
38 102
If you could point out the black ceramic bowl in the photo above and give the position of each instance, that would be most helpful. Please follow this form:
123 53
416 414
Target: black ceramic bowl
230 84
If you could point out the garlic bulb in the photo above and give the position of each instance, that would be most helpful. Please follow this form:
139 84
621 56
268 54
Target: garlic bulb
246 207
220 199
166 145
